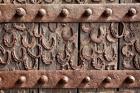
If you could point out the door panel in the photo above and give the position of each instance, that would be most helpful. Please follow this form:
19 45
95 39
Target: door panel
60 49
129 43
15 39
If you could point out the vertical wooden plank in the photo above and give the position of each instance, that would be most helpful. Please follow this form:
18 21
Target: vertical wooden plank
15 39
129 45
98 48
59 42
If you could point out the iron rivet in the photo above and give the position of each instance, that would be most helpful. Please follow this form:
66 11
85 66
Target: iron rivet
107 79
87 79
108 12
22 80
132 12
43 79
64 12
42 12
64 80
88 12
130 79
20 12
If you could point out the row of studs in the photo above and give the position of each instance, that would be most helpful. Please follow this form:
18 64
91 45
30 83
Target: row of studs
64 12
44 79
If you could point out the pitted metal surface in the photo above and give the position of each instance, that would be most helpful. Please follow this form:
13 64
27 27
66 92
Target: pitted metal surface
70 79
69 13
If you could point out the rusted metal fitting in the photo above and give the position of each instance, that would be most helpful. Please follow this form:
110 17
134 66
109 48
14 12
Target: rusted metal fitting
64 12
107 80
132 12
130 79
86 79
43 79
108 12
21 80
88 12
64 80
42 12
20 12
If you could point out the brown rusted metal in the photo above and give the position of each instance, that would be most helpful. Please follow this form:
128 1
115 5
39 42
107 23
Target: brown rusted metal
70 79
69 13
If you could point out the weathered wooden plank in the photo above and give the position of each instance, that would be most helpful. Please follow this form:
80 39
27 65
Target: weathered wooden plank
60 49
129 45
14 55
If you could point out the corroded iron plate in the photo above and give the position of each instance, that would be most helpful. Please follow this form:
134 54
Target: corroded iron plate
70 13
70 79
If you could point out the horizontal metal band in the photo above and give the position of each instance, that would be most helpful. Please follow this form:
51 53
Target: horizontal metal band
70 79
69 13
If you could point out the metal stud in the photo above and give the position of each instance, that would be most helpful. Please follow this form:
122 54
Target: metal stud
43 79
107 12
21 80
42 12
132 12
130 79
88 12
107 79
86 79
20 12
64 12
64 80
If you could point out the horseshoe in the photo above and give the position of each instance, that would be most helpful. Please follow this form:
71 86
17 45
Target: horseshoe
136 62
125 50
32 54
44 43
97 64
137 46
99 51
112 31
26 66
95 38
8 57
63 61
69 49
27 45
74 67
19 26
85 28
64 34
85 56
22 57
107 56
46 60
110 38
6 42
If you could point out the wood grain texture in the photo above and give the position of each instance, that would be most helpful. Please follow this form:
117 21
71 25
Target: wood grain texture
63 51
130 43
10 41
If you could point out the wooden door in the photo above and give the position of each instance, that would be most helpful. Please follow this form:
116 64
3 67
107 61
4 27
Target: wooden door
65 45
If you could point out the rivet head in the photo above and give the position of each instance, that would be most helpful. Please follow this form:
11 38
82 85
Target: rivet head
64 12
42 12
87 79
20 12
43 79
108 79
130 79
107 12
88 12
22 79
65 80
132 12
